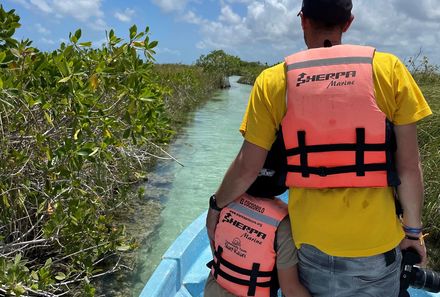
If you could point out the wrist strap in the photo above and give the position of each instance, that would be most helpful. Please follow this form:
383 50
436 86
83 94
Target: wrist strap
213 203
412 230
420 238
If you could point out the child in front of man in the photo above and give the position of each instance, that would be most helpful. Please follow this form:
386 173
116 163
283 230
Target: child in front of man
254 253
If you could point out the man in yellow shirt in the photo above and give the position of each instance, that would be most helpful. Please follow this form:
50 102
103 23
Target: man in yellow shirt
348 237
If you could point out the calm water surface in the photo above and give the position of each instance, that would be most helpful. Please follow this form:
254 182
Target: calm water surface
206 148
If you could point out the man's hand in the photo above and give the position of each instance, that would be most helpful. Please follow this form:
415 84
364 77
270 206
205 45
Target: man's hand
211 224
418 245
241 174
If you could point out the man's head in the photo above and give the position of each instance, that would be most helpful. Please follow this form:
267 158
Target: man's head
327 12
324 21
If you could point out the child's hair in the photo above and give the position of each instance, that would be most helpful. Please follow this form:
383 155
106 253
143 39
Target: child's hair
271 180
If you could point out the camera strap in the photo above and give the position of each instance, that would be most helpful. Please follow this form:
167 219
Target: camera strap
390 257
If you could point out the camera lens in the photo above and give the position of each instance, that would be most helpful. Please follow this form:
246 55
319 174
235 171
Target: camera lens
427 280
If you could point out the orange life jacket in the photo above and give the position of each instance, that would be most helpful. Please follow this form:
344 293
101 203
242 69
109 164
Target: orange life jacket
244 258
334 132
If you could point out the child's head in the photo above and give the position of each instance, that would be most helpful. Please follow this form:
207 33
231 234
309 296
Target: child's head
271 180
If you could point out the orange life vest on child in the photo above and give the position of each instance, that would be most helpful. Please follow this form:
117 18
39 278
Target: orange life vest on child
244 258
334 132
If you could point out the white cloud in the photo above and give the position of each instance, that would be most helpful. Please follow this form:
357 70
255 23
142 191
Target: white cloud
165 50
171 5
82 10
401 27
240 1
42 5
87 11
424 10
98 24
192 18
41 29
229 16
201 45
24 3
47 41
125 16
269 29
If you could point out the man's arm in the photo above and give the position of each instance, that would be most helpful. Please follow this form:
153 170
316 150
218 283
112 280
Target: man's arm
241 174
410 191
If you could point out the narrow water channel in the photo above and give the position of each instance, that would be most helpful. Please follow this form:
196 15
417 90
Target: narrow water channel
205 147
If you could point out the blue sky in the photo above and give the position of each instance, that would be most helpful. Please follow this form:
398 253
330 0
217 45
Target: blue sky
254 30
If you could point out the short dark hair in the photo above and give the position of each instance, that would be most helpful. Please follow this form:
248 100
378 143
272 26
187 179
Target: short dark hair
329 13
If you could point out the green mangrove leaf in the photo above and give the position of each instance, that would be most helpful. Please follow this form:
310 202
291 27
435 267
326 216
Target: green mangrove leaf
66 79
85 44
19 289
17 259
153 44
133 31
95 150
94 82
75 136
34 275
2 56
123 248
147 99
73 39
84 152
60 276
6 202
137 43
48 118
78 34
15 52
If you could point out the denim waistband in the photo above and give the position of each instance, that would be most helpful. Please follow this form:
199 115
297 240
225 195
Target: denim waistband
389 256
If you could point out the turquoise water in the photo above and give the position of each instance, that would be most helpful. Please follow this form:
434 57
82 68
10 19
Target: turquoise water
206 147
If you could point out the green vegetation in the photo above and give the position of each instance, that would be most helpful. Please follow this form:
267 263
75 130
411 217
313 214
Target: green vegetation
428 77
219 64
250 71
78 129
429 139
187 86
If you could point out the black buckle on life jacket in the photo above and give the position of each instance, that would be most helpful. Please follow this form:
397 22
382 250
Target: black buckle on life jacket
322 171
218 255
359 147
253 274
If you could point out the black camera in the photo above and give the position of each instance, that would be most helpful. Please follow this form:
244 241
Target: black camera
416 277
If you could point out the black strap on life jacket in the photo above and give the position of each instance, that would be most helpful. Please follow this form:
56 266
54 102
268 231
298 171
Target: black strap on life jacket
360 147
253 274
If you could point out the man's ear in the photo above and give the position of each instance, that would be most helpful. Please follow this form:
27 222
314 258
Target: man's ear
305 23
348 24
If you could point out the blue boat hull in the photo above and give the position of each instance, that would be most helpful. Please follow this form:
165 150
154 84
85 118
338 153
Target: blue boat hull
182 271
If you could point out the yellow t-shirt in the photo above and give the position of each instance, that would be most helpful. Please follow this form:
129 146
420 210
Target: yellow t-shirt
346 222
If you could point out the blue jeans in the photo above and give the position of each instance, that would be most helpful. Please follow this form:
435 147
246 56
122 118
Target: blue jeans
328 276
